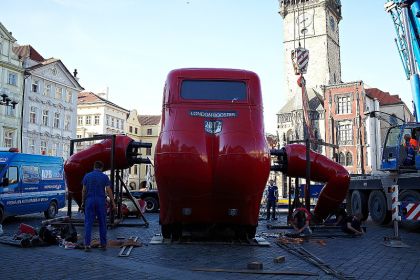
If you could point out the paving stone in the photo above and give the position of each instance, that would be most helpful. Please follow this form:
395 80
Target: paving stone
364 258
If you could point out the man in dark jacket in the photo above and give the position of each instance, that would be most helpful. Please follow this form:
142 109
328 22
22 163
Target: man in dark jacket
353 225
272 196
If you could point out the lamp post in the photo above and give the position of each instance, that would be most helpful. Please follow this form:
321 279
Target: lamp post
6 101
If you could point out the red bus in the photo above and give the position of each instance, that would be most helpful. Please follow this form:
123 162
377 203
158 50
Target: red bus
212 159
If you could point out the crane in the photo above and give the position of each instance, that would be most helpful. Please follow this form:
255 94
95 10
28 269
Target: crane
405 16
371 194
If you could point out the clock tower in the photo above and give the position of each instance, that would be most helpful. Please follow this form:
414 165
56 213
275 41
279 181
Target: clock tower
312 24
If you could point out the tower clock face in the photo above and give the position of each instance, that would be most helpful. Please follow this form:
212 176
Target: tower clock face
304 23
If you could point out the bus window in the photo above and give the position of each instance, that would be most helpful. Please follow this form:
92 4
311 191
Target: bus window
214 90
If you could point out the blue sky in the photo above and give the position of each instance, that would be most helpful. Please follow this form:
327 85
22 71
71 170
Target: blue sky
131 45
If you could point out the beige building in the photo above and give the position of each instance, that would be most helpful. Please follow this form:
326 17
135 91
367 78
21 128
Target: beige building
11 91
144 128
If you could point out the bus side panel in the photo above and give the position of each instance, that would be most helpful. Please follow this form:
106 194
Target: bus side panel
41 183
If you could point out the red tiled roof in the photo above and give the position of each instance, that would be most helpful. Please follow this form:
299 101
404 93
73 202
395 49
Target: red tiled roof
149 119
90 97
28 51
384 98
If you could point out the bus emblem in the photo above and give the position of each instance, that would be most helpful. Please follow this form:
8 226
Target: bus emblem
213 127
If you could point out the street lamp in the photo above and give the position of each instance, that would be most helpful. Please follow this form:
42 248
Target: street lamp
377 114
6 101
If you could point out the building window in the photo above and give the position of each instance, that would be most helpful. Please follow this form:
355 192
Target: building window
135 169
393 119
12 79
35 86
45 117
349 159
341 159
54 149
8 138
149 131
344 105
32 115
345 136
88 120
148 151
122 124
10 111
130 129
79 120
67 121
112 122
117 123
135 130
96 119
43 147
56 120
78 136
65 151
69 95
47 90
58 93
32 146
107 120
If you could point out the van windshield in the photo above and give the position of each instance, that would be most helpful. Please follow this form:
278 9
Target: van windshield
214 90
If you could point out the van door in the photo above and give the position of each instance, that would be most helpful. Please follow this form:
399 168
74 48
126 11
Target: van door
10 191
30 188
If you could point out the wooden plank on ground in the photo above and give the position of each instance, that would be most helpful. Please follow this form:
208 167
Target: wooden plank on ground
249 271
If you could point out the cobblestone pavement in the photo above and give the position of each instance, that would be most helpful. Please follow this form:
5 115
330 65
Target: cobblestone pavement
362 258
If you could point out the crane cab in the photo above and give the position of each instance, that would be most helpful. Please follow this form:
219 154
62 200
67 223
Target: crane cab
401 148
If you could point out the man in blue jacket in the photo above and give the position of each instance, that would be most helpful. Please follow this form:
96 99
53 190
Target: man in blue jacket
95 184
272 196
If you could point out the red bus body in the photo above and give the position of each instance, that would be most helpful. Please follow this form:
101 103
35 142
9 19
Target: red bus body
211 160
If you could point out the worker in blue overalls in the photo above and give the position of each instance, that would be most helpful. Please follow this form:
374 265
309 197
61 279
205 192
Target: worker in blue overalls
95 184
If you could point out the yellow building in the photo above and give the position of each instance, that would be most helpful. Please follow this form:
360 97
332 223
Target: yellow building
144 128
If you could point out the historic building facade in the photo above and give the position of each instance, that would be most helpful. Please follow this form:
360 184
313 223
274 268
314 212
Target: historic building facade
50 104
348 127
314 25
144 128
336 109
98 115
11 91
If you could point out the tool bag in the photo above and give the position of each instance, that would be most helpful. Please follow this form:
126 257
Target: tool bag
69 233
49 235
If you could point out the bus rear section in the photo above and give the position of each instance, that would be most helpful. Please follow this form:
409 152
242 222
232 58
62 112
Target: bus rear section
211 159
31 184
